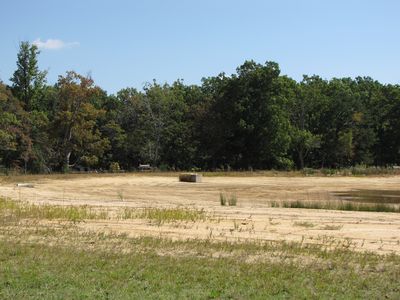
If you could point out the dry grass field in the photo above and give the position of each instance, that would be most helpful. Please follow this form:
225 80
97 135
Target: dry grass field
233 236
140 205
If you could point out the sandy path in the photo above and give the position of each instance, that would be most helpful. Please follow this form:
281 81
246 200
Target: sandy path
252 218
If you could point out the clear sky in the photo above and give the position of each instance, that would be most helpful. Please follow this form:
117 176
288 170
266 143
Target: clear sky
128 43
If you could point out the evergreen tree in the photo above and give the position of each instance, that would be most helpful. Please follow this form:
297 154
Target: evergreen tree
28 81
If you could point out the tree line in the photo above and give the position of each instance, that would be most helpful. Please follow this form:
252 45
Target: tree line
253 119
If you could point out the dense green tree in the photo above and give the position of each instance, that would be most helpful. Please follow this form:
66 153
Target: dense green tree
135 119
253 119
42 151
308 103
249 111
389 148
9 122
28 80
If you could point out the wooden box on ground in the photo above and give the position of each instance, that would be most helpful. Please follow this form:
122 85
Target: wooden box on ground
190 177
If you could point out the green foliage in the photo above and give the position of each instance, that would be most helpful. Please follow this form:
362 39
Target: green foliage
255 119
27 80
114 167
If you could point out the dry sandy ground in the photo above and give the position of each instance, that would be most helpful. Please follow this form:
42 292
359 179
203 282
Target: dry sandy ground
251 219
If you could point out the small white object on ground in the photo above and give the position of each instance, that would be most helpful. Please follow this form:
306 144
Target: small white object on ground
26 185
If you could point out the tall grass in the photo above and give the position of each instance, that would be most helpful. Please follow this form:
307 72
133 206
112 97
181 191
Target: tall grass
358 170
24 210
222 199
168 215
230 200
338 205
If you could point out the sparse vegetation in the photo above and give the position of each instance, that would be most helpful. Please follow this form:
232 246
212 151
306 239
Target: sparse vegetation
230 199
358 170
223 244
338 205
120 195
16 210
168 215
304 224
332 227
222 199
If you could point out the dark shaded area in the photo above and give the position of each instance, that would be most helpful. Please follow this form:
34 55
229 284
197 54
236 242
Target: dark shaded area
371 196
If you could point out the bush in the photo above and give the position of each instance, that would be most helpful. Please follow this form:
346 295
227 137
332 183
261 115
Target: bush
164 168
308 171
114 167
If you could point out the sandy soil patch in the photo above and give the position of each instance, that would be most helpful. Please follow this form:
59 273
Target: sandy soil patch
251 219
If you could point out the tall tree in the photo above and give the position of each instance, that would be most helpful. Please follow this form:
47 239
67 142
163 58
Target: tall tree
389 148
250 112
28 80
76 133
305 109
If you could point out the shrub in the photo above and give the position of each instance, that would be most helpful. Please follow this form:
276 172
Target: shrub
114 167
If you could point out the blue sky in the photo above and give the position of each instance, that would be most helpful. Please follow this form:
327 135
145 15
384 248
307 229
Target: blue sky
128 43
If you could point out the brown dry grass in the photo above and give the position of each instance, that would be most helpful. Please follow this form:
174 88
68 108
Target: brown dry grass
251 220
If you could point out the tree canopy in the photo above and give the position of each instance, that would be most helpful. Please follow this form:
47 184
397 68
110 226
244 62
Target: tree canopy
253 119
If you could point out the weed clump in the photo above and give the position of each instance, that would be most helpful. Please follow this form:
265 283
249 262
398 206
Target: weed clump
230 200
222 199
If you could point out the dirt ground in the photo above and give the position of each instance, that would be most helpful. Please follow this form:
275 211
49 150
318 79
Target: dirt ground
251 219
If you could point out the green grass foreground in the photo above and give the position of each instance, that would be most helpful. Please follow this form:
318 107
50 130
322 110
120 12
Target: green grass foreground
37 271
58 260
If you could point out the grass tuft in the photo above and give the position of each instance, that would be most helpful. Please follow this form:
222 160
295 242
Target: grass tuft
332 227
231 199
222 199
304 224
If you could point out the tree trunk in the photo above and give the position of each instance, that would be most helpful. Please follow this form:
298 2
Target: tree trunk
66 162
